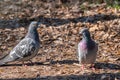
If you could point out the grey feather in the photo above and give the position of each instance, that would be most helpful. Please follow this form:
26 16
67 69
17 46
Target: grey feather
27 48
87 48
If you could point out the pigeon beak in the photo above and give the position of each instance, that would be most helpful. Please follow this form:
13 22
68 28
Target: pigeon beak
80 33
39 24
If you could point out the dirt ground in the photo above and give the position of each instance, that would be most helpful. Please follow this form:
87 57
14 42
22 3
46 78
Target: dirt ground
61 23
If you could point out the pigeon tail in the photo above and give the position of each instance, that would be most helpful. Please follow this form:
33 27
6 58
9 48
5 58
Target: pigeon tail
5 60
2 62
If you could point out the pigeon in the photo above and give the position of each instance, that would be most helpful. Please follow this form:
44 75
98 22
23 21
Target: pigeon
87 48
27 48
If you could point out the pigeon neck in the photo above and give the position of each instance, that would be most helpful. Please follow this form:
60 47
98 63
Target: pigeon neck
32 33
87 38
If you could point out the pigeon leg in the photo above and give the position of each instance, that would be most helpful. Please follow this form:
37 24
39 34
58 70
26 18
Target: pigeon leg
23 63
82 67
31 62
92 66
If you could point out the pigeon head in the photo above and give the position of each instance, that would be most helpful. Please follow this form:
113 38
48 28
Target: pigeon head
34 25
85 33
32 31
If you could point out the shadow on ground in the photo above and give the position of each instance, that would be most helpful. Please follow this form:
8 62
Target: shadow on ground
107 66
64 62
41 63
20 64
102 76
15 23
97 65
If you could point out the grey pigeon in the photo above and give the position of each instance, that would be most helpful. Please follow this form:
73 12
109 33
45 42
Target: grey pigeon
27 48
87 48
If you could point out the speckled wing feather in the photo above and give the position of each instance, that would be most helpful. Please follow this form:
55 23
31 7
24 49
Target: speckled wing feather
26 49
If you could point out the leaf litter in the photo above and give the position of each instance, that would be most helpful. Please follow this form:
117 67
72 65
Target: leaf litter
59 36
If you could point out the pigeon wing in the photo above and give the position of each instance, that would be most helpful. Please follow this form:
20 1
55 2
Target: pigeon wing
25 49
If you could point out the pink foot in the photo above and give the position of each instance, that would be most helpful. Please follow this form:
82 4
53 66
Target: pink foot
23 64
92 66
82 67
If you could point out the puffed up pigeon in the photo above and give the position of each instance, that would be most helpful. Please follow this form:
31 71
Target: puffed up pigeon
27 48
87 48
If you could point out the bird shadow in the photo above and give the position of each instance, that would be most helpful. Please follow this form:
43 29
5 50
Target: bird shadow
16 23
97 65
107 66
64 62
41 63
92 76
27 64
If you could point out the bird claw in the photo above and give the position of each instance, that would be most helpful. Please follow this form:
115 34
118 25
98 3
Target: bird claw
23 64
80 65
92 67
31 62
